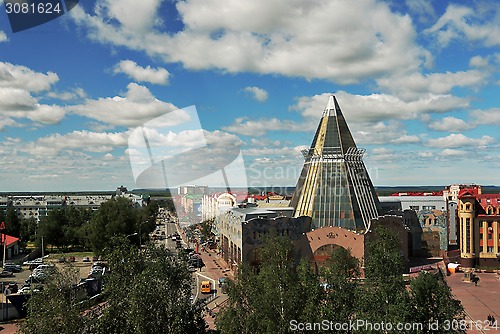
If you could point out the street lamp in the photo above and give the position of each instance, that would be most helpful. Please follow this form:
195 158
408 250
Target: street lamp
131 235
140 233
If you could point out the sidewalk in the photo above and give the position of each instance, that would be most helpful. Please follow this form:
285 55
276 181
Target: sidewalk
478 301
9 328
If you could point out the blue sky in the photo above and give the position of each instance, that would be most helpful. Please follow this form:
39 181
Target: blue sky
417 81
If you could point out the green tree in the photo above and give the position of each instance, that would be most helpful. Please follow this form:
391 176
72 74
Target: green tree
147 291
431 300
266 298
115 217
28 229
51 228
12 223
384 297
341 285
53 309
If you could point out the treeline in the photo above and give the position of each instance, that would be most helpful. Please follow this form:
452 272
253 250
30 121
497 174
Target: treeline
281 297
79 228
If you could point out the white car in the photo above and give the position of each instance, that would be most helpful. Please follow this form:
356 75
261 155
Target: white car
35 261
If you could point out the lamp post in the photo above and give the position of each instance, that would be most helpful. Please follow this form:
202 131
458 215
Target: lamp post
140 233
131 235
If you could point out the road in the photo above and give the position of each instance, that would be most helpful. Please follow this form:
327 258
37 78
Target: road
166 230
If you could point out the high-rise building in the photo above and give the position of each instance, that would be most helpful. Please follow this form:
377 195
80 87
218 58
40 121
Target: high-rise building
334 187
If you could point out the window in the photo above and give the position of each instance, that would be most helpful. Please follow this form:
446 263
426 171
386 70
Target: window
467 207
490 249
467 235
414 207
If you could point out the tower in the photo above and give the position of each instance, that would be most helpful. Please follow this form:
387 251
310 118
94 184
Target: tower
466 214
334 187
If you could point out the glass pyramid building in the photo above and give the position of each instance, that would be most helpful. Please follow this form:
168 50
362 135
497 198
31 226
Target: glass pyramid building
334 187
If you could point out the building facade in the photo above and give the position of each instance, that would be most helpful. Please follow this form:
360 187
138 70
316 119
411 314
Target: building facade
242 230
479 220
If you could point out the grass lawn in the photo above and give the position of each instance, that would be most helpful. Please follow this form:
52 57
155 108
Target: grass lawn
77 255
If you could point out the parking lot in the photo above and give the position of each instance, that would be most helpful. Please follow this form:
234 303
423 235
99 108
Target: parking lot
21 277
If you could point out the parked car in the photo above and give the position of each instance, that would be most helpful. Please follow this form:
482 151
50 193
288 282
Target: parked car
24 290
6 273
86 259
15 268
99 264
222 281
35 261
71 259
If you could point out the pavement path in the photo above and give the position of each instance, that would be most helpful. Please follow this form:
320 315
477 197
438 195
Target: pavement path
478 301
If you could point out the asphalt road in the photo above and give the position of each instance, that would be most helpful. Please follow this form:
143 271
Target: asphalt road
199 275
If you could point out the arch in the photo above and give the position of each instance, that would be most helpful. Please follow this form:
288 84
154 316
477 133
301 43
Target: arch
334 236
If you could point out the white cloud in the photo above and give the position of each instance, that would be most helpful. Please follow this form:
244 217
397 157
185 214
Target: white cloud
379 107
479 24
260 127
256 93
448 152
422 9
47 114
416 85
489 116
459 140
3 37
7 121
73 94
383 154
85 140
405 139
135 108
450 124
137 16
425 155
479 62
15 76
144 74
275 151
313 39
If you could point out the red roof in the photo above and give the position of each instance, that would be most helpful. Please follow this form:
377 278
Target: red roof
10 239
468 192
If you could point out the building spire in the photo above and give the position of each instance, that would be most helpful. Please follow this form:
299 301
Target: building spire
331 107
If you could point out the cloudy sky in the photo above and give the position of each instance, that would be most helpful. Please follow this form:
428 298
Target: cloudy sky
417 81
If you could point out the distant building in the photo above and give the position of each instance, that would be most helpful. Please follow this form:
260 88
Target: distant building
479 220
192 190
38 206
432 212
